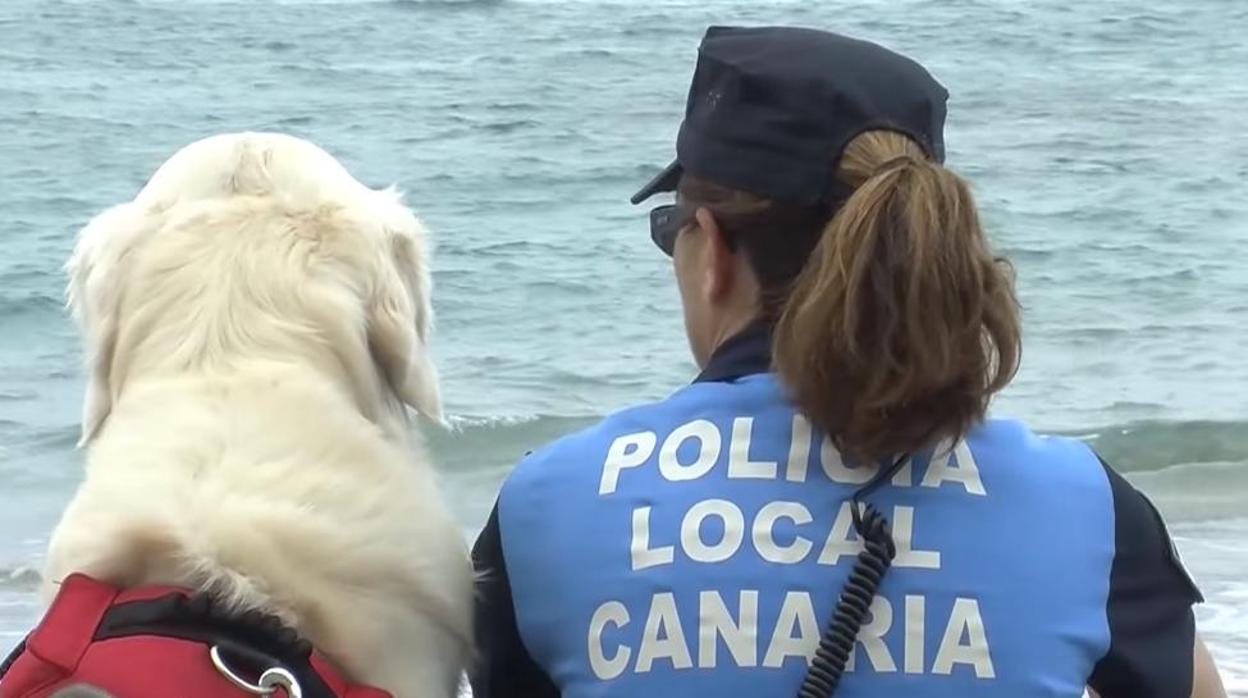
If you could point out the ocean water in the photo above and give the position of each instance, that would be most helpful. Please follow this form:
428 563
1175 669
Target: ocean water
1106 141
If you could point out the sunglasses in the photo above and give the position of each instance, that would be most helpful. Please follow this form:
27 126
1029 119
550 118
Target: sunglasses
666 222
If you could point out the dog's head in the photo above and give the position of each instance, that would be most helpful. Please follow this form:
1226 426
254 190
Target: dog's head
251 243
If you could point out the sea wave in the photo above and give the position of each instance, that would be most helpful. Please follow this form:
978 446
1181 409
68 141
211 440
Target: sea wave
1153 445
30 303
20 578
396 3
496 442
1193 471
1134 447
1131 447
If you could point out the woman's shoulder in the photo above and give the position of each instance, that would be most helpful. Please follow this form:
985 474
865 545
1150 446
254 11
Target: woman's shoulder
1021 437
1009 449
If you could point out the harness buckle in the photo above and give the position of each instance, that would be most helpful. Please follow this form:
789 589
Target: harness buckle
273 678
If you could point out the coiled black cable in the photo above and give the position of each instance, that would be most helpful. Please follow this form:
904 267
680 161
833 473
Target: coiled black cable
837 643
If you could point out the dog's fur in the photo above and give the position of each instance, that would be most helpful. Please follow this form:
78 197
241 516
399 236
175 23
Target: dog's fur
255 325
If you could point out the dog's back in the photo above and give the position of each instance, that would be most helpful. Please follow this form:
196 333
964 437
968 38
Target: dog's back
256 323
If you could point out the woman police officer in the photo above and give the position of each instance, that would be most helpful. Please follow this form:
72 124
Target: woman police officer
851 324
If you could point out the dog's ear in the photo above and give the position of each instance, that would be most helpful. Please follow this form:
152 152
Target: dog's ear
400 318
96 273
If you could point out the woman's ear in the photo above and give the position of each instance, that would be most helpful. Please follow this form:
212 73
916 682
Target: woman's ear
400 319
97 272
718 259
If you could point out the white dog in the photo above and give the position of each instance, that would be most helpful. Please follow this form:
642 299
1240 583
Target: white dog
256 322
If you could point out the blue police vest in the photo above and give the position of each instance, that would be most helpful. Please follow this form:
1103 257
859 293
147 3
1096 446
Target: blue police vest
699 545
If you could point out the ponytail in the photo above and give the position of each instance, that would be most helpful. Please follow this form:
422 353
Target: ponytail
901 324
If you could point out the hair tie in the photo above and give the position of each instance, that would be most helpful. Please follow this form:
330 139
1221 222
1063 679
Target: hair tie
893 164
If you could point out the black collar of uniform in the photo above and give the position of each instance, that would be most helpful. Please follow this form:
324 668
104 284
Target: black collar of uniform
745 353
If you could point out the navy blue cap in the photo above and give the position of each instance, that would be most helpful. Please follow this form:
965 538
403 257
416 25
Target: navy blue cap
771 109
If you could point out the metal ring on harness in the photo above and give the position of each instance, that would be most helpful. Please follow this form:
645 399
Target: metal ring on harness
270 681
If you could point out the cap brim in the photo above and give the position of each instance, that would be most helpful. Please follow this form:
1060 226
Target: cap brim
667 180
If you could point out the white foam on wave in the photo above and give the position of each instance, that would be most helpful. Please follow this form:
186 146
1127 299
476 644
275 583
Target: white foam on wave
1196 491
306 2
21 577
460 423
1214 555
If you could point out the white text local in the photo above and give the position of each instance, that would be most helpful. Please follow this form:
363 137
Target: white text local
841 540
615 647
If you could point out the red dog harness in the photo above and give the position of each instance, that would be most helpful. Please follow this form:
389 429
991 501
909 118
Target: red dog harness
158 642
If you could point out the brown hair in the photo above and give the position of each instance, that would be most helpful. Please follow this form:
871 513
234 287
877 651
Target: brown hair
893 322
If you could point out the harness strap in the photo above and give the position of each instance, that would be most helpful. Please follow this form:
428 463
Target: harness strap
75 641
8 662
67 629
